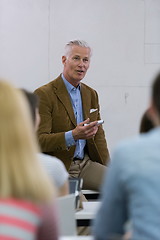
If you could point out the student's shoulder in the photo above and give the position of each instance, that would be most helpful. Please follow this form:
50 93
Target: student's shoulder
137 141
130 149
52 161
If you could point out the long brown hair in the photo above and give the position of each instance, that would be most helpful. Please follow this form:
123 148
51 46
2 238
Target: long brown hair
21 175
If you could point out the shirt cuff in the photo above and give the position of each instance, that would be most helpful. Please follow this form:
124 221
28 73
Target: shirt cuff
69 139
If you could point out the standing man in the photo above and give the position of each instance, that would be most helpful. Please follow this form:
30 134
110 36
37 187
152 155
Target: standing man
69 113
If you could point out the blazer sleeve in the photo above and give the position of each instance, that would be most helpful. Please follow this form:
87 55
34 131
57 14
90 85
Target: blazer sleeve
50 141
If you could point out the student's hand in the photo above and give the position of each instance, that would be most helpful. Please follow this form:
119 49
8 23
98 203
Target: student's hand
85 130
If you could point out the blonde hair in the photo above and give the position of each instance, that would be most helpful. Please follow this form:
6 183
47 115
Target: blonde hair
21 175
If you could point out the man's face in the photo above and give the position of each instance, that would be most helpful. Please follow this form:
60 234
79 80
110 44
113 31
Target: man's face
76 64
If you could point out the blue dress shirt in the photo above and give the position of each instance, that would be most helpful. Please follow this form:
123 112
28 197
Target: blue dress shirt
75 96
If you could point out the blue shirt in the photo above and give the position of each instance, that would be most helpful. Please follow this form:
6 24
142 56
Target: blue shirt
131 190
75 96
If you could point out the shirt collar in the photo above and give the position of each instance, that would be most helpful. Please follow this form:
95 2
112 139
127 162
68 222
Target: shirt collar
69 86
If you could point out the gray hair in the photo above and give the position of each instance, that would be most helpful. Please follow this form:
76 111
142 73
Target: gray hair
80 43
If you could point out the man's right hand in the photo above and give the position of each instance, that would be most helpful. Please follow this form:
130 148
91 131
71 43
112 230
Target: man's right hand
85 132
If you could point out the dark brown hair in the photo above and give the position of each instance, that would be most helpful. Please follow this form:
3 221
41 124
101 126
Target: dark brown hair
146 123
156 93
33 102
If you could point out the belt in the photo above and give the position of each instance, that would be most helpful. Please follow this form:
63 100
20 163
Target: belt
74 159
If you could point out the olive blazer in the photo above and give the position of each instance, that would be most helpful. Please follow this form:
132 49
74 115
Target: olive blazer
57 117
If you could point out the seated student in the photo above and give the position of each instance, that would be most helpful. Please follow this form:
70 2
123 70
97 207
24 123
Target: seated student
55 168
146 125
26 193
131 188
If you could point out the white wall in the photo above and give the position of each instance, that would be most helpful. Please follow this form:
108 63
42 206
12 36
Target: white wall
24 38
124 35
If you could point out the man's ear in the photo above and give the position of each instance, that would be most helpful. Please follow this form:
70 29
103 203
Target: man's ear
64 59
150 111
153 115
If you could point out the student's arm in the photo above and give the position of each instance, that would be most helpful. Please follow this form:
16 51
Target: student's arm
64 189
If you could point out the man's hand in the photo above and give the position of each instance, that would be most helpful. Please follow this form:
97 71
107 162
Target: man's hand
85 132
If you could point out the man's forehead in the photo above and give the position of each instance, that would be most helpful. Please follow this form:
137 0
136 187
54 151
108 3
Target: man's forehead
80 51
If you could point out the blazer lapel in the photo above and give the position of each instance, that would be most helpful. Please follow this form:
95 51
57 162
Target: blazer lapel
86 101
63 96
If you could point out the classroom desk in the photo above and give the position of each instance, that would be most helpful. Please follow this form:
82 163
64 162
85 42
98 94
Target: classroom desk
88 213
90 194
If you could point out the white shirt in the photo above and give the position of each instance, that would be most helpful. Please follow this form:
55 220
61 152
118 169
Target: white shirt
55 169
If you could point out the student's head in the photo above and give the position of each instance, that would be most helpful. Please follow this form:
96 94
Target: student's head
21 175
154 110
33 102
146 123
76 61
